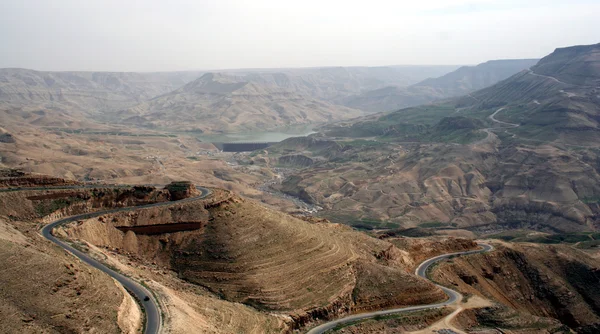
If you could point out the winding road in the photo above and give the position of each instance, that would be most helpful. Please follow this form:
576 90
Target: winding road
142 294
489 131
453 296
493 118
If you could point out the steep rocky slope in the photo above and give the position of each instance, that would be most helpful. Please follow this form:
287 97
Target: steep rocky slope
578 65
244 252
471 78
555 101
534 280
44 288
464 80
48 290
520 154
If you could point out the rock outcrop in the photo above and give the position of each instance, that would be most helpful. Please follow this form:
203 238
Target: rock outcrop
556 282
181 189
7 138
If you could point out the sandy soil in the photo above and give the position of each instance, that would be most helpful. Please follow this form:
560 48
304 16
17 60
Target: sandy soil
129 316
448 321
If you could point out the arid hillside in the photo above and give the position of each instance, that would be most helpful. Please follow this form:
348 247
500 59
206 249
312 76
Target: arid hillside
246 253
49 98
530 283
555 101
334 83
477 187
480 162
78 100
219 102
219 257
471 78
45 289
463 80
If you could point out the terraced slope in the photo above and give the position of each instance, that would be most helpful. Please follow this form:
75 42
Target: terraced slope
250 254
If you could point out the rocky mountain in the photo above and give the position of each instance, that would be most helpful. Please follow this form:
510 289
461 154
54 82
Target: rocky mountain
530 284
523 153
335 83
577 65
267 271
85 90
75 99
79 99
471 78
218 102
556 100
389 98
462 81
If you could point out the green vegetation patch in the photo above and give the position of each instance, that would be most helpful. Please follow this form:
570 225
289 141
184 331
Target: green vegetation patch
589 238
591 200
426 115
437 123
364 223
364 143
433 224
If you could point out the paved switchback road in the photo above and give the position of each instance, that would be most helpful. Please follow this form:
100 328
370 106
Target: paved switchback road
150 306
453 296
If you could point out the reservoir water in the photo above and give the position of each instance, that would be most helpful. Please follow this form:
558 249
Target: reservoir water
257 136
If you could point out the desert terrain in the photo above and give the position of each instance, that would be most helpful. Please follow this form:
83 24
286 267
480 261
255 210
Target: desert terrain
406 163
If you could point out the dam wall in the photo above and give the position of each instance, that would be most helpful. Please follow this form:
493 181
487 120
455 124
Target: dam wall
242 147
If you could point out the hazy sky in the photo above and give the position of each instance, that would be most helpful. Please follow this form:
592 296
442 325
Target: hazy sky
153 35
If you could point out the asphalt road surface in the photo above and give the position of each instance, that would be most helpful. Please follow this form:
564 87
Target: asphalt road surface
453 296
150 306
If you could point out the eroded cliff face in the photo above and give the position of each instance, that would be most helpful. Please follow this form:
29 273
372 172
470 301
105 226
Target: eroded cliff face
509 321
556 282
483 187
545 188
181 189
44 288
53 203
246 253
15 178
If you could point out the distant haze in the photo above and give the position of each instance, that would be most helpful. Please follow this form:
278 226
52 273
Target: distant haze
156 35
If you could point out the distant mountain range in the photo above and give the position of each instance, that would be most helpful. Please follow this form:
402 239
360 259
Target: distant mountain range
462 81
557 99
98 90
232 100
218 102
